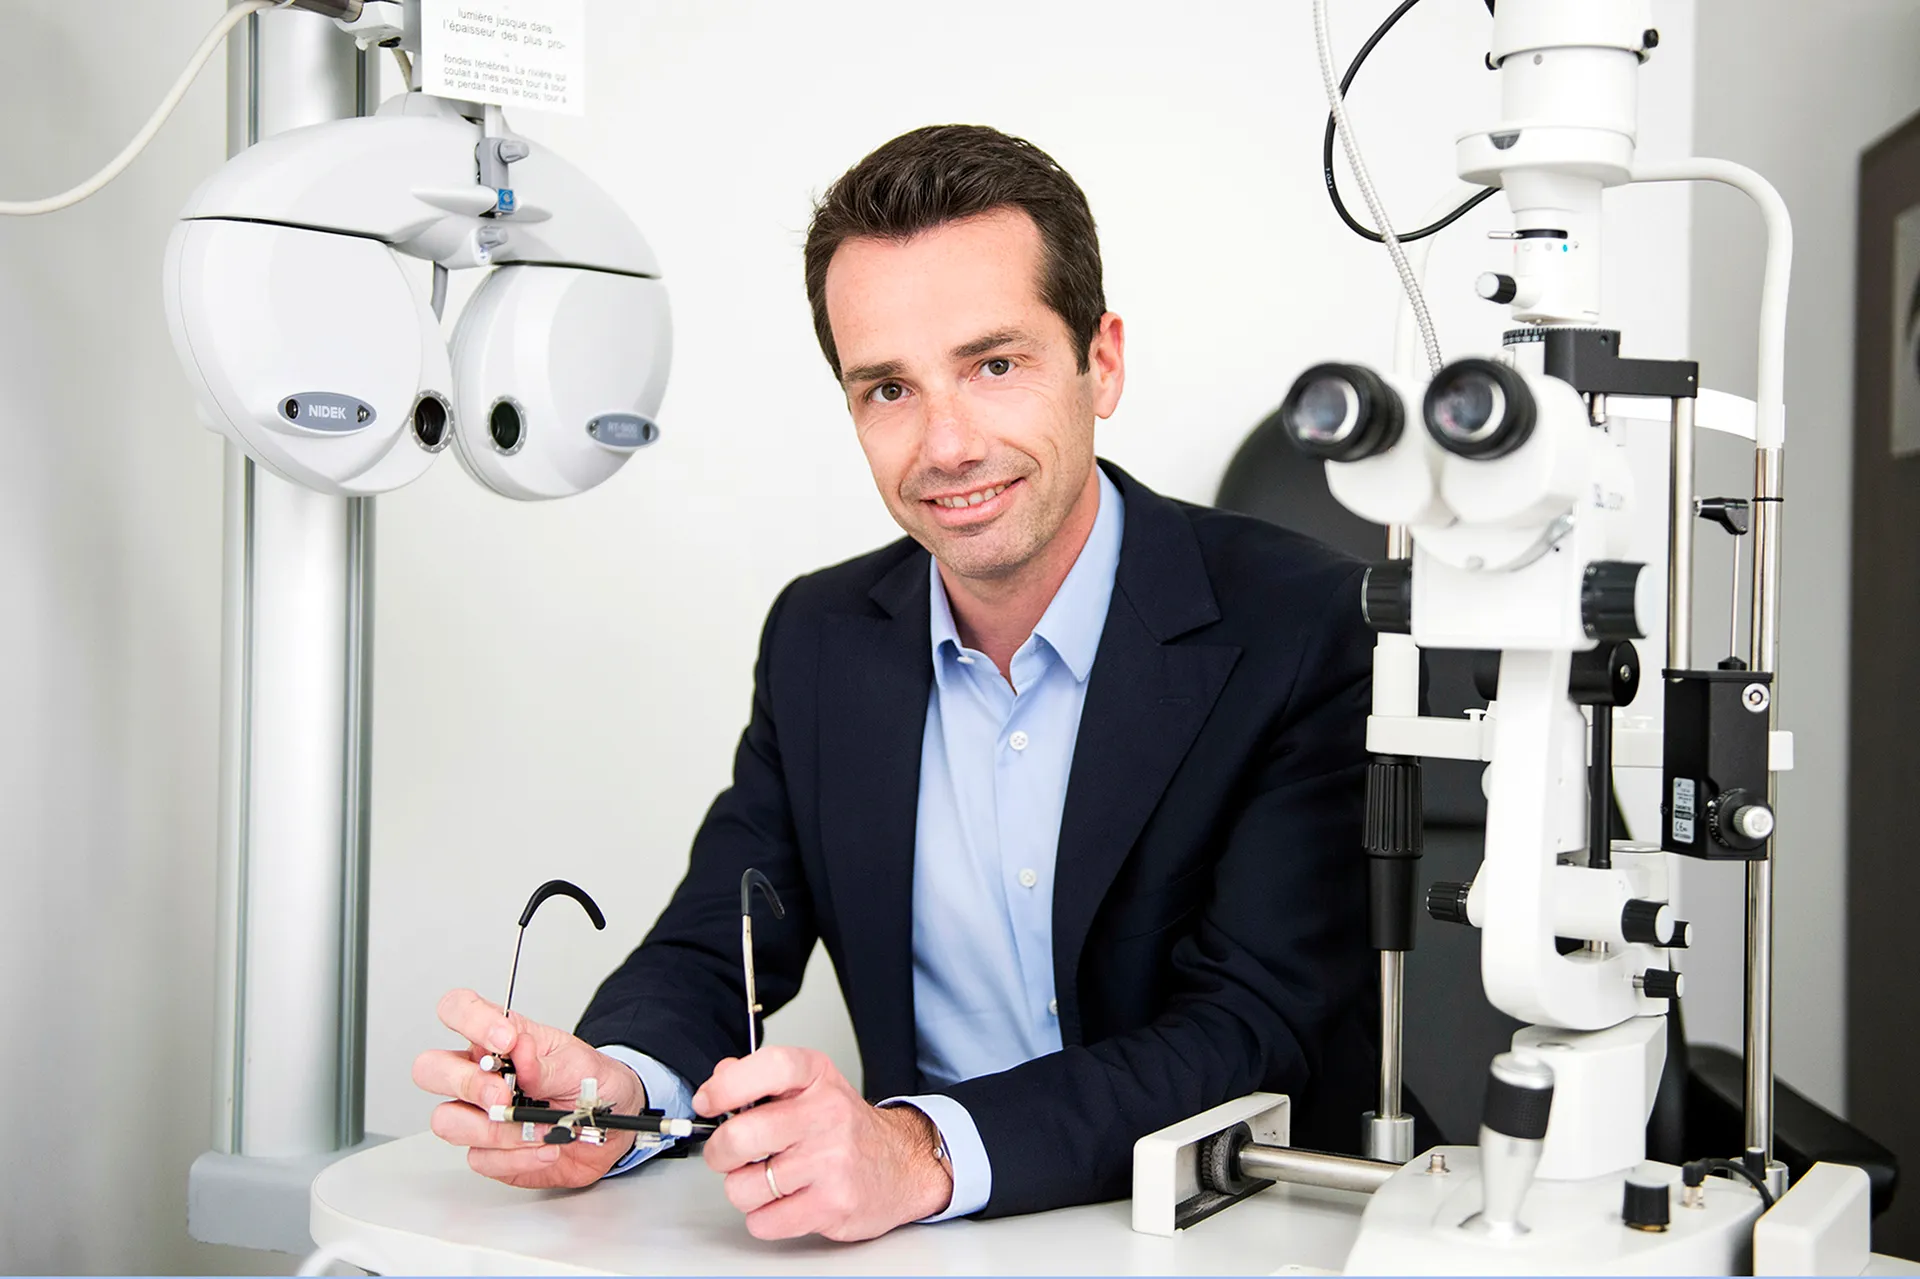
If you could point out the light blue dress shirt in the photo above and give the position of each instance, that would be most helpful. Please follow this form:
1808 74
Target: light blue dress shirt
993 780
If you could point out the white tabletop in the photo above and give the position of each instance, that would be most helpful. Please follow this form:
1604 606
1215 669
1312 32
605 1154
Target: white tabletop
413 1206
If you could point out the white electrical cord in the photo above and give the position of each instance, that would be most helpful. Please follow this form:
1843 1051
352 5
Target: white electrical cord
1338 106
221 29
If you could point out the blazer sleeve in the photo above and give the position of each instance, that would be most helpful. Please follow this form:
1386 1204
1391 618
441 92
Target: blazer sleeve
680 997
1277 959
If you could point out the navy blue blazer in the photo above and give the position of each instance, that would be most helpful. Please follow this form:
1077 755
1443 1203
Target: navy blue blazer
1209 908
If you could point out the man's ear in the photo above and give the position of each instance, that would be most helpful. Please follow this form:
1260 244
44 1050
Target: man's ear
1107 364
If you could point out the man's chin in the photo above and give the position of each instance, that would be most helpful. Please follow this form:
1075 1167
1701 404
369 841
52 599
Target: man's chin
981 554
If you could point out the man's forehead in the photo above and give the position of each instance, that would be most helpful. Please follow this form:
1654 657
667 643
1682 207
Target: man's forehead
945 286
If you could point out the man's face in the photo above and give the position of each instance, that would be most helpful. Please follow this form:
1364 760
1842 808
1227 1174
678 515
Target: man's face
965 388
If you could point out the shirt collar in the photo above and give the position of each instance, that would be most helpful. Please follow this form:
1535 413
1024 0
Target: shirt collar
1072 624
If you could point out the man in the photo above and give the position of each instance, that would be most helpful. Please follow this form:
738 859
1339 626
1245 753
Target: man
1068 780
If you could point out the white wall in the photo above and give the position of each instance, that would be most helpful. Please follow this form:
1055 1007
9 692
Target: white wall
109 654
1797 92
559 687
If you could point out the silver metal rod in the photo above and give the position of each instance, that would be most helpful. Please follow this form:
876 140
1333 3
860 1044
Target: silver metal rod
1312 1168
1680 519
1382 1128
1733 603
1765 624
1392 1005
294 686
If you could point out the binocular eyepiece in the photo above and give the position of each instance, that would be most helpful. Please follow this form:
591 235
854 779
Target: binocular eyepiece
1473 408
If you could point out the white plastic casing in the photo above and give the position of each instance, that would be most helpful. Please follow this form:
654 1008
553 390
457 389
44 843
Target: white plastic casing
1823 1225
409 180
1402 484
282 280
565 347
264 314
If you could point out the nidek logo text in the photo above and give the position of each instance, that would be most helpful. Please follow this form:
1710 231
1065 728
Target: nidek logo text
326 411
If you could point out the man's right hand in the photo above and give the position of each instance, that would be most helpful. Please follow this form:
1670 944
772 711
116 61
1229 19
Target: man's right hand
550 1064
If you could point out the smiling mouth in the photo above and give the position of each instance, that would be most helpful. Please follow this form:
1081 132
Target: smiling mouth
962 501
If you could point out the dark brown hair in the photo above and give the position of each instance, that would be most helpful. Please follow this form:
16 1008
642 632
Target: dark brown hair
945 172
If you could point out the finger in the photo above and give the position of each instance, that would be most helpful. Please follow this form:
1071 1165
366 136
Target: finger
480 1020
771 1072
748 1188
509 1165
788 1217
453 1074
459 1124
753 1135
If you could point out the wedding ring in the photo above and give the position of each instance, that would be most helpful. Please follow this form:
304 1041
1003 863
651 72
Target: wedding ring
772 1185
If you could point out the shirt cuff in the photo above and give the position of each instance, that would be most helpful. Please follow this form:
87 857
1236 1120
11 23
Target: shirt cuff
966 1153
666 1092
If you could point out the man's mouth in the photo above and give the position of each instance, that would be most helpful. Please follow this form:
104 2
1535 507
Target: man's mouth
972 497
972 507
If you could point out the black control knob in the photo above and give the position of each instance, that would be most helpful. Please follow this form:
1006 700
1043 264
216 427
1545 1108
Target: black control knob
1647 1205
1607 594
1219 1162
1386 597
1519 1098
1604 675
1646 923
1447 902
1659 983
1392 837
1682 935
1739 819
1495 287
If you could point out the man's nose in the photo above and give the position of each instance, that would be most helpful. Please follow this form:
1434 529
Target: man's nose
953 442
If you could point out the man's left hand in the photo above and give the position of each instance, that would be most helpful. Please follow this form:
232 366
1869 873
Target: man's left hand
842 1168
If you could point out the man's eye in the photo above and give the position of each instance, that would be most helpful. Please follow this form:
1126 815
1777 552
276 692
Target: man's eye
887 392
998 366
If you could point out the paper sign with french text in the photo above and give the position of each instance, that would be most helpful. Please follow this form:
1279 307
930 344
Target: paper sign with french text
516 53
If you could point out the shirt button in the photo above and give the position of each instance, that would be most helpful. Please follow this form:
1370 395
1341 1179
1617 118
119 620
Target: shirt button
1053 1006
1028 879
965 660
1018 740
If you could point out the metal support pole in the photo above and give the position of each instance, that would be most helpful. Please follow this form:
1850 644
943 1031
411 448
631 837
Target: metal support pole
294 690
1387 1132
1392 1004
1680 519
1765 624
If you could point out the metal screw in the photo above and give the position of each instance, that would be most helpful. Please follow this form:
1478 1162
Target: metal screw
1437 1165
1626 674
1756 697
362 413
593 427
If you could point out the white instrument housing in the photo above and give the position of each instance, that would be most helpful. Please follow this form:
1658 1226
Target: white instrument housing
310 348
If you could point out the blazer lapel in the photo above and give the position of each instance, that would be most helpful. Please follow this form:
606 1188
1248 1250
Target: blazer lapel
875 674
1147 699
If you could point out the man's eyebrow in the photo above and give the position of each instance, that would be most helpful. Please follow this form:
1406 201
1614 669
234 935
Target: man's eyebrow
981 345
873 372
